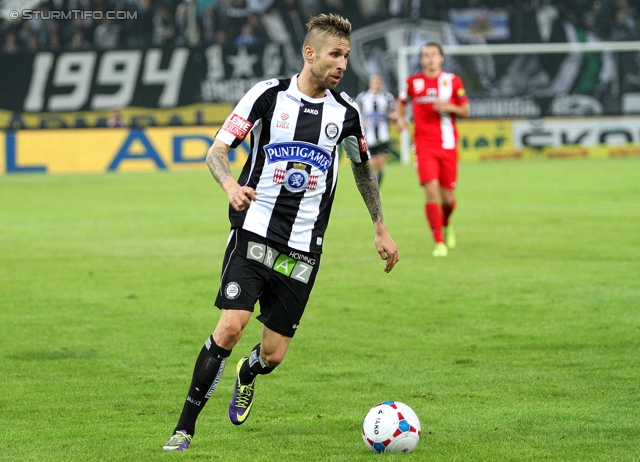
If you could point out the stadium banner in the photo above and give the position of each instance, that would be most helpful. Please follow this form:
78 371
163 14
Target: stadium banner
109 150
549 138
152 78
473 23
499 86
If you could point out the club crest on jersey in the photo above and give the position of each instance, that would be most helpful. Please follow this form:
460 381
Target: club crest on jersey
295 179
299 151
331 130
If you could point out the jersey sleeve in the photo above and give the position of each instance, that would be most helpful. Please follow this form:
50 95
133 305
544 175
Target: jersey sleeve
407 92
459 93
353 138
247 113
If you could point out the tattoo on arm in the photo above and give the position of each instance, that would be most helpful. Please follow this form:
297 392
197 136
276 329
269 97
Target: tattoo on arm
218 162
368 187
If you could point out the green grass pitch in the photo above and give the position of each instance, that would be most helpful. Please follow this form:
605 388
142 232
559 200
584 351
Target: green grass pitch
522 345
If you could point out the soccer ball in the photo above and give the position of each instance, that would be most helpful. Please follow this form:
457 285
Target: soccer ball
391 426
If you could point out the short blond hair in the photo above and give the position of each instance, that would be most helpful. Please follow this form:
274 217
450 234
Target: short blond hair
327 24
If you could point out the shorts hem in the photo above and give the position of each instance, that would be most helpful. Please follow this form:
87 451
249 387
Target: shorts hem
276 329
235 308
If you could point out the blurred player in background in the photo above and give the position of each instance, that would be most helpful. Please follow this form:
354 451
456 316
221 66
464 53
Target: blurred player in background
438 98
279 211
377 107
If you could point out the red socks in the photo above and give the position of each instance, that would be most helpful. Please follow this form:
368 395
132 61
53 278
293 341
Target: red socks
447 210
434 216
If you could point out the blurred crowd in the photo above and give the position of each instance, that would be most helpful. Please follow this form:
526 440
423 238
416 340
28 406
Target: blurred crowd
161 23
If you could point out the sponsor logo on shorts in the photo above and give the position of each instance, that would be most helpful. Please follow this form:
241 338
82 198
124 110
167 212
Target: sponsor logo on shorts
291 265
232 290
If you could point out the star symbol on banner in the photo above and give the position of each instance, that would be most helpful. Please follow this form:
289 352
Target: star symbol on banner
243 63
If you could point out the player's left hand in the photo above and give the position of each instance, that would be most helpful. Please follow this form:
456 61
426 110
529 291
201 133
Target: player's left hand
388 250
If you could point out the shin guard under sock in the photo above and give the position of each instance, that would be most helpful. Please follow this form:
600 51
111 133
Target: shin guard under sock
206 374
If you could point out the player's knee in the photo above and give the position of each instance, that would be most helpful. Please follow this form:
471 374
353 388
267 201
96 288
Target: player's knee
228 333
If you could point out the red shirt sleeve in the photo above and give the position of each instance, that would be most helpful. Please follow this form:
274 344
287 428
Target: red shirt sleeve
459 94
407 93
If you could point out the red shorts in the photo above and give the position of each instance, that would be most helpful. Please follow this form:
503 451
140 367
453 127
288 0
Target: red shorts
437 164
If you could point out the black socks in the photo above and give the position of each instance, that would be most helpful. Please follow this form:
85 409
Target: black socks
207 372
253 367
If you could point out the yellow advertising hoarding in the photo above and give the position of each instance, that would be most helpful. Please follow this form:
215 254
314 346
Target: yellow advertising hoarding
112 149
550 138
184 147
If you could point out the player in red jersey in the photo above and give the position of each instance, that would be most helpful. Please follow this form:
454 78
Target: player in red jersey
438 99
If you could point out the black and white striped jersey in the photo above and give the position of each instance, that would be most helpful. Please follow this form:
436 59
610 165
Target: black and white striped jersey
375 109
293 163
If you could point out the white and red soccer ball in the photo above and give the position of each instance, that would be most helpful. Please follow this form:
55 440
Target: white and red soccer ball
391 426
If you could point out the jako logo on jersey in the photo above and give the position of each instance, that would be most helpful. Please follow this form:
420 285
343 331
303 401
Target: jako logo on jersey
418 85
311 111
298 151
237 126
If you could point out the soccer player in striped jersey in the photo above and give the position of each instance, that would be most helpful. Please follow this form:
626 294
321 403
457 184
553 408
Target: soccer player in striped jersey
279 210
438 98
377 107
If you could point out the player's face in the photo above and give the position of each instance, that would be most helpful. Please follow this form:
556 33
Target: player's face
431 60
330 62
376 83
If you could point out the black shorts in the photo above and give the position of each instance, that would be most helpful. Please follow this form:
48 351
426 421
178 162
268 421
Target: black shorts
378 149
280 278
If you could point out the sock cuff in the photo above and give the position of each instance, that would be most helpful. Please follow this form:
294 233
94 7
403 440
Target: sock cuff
214 348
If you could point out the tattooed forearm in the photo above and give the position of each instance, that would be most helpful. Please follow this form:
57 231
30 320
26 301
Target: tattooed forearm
368 187
218 162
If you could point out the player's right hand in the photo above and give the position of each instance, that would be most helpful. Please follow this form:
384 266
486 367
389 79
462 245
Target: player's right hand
241 197
402 124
